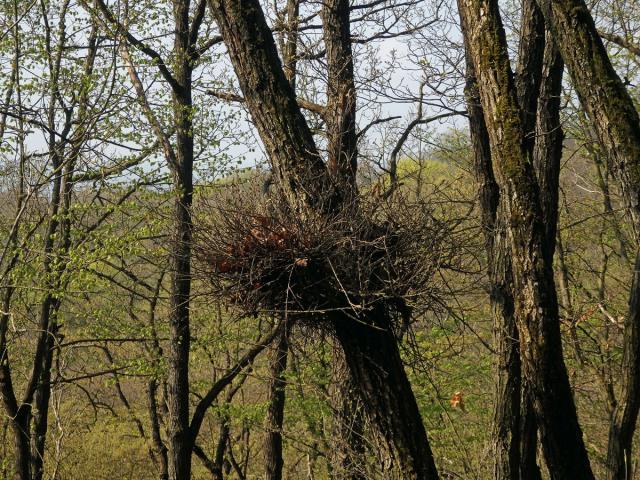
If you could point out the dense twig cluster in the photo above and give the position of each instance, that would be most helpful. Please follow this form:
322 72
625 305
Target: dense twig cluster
264 258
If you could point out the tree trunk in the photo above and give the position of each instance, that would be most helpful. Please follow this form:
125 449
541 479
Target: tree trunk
41 407
180 438
273 459
347 460
623 424
539 86
617 127
341 93
536 302
372 355
506 415
21 426
283 129
529 469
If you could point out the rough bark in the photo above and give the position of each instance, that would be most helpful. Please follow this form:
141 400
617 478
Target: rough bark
347 459
529 469
538 85
21 426
372 355
342 163
506 414
536 301
180 439
273 459
617 126
601 92
341 93
549 137
285 134
529 68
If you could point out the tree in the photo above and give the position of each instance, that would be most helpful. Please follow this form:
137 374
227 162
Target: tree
617 125
368 344
536 303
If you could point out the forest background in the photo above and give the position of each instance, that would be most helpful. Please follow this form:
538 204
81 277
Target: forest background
158 261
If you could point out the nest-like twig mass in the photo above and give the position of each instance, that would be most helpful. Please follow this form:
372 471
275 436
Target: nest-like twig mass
262 256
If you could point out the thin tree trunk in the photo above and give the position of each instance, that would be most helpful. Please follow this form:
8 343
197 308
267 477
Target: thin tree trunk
536 302
273 459
506 415
180 438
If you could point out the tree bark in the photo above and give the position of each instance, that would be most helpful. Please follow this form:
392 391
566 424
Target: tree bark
539 85
373 358
341 93
347 461
547 154
617 126
536 302
296 162
273 458
506 414
180 438
371 353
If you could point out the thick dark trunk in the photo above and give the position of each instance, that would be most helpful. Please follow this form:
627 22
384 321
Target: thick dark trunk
507 432
273 459
602 93
539 85
619 452
372 354
21 426
529 69
271 100
534 287
617 126
549 137
374 362
529 469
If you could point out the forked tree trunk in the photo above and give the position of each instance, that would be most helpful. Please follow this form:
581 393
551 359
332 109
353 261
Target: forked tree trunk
617 125
536 303
506 414
539 86
372 354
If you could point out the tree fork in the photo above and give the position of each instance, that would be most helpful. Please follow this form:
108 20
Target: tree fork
617 126
536 302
